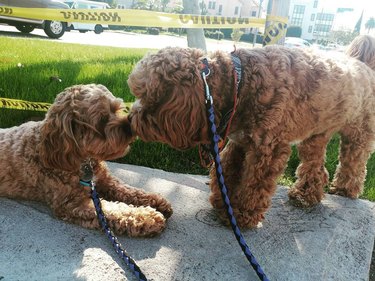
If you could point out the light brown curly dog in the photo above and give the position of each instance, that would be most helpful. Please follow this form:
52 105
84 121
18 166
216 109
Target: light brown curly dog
41 161
285 96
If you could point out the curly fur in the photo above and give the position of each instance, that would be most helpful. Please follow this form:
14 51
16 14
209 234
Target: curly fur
41 161
286 96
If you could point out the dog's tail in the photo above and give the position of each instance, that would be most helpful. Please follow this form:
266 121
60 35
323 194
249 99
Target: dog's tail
363 49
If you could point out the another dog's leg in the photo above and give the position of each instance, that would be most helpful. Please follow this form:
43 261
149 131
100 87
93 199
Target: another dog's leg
252 196
355 148
77 207
312 176
112 189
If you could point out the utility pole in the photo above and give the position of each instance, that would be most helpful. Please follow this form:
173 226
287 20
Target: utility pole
256 30
278 8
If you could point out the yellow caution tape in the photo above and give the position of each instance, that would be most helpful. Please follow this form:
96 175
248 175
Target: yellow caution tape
136 18
274 32
21 104
37 106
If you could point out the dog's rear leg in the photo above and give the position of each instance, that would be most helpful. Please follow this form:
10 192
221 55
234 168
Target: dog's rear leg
311 173
355 148
121 218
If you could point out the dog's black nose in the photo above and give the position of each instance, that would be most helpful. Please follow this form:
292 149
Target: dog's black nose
130 115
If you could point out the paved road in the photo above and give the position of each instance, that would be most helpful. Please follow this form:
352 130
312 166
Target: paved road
122 39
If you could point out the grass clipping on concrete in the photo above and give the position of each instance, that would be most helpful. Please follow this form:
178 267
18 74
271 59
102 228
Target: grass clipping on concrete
37 70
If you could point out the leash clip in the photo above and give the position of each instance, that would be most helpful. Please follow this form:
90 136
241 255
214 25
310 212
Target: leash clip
206 72
207 90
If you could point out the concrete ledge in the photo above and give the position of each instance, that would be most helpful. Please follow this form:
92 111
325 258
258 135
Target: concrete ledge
332 241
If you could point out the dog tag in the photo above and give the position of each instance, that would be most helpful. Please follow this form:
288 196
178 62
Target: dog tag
87 172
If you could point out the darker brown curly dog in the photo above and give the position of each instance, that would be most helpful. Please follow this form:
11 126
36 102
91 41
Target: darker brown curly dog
286 96
41 161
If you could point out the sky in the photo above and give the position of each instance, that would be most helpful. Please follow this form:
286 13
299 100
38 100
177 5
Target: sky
367 6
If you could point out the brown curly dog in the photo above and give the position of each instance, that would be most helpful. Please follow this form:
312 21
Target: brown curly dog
286 96
42 161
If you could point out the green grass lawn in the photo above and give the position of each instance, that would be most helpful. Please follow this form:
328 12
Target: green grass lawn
26 68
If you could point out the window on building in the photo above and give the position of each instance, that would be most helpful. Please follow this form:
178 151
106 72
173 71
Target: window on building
316 4
253 13
211 5
236 9
310 29
312 17
297 15
220 9
323 24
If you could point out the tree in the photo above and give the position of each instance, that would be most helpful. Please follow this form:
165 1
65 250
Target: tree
236 35
145 4
163 5
370 24
342 37
203 8
195 36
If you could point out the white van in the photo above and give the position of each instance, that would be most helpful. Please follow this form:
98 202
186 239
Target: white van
84 27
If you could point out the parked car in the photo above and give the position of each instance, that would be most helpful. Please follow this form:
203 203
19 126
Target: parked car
295 42
84 27
54 29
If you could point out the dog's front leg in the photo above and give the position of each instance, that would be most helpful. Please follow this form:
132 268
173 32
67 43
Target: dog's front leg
232 159
77 207
113 189
251 195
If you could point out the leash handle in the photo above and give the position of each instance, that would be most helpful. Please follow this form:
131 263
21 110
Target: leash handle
224 191
115 243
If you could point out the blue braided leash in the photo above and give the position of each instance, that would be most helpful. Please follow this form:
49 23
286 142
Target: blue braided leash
219 174
115 243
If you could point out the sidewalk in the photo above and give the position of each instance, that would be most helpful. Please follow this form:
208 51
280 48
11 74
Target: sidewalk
332 241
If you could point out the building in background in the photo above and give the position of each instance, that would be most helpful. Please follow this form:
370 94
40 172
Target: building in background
231 8
318 18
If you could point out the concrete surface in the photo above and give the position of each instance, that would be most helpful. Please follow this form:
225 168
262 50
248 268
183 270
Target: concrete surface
332 241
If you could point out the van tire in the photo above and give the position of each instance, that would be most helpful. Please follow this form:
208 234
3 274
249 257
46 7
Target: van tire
98 29
54 29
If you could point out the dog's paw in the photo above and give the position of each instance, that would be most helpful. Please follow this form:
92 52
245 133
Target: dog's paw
162 205
145 222
243 219
342 192
298 199
136 221
165 209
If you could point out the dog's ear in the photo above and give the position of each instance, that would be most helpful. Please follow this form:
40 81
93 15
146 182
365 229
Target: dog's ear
58 147
363 49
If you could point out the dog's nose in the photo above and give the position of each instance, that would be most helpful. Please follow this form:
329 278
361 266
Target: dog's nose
130 115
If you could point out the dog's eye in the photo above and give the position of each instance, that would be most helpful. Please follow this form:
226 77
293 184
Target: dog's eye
121 112
104 120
